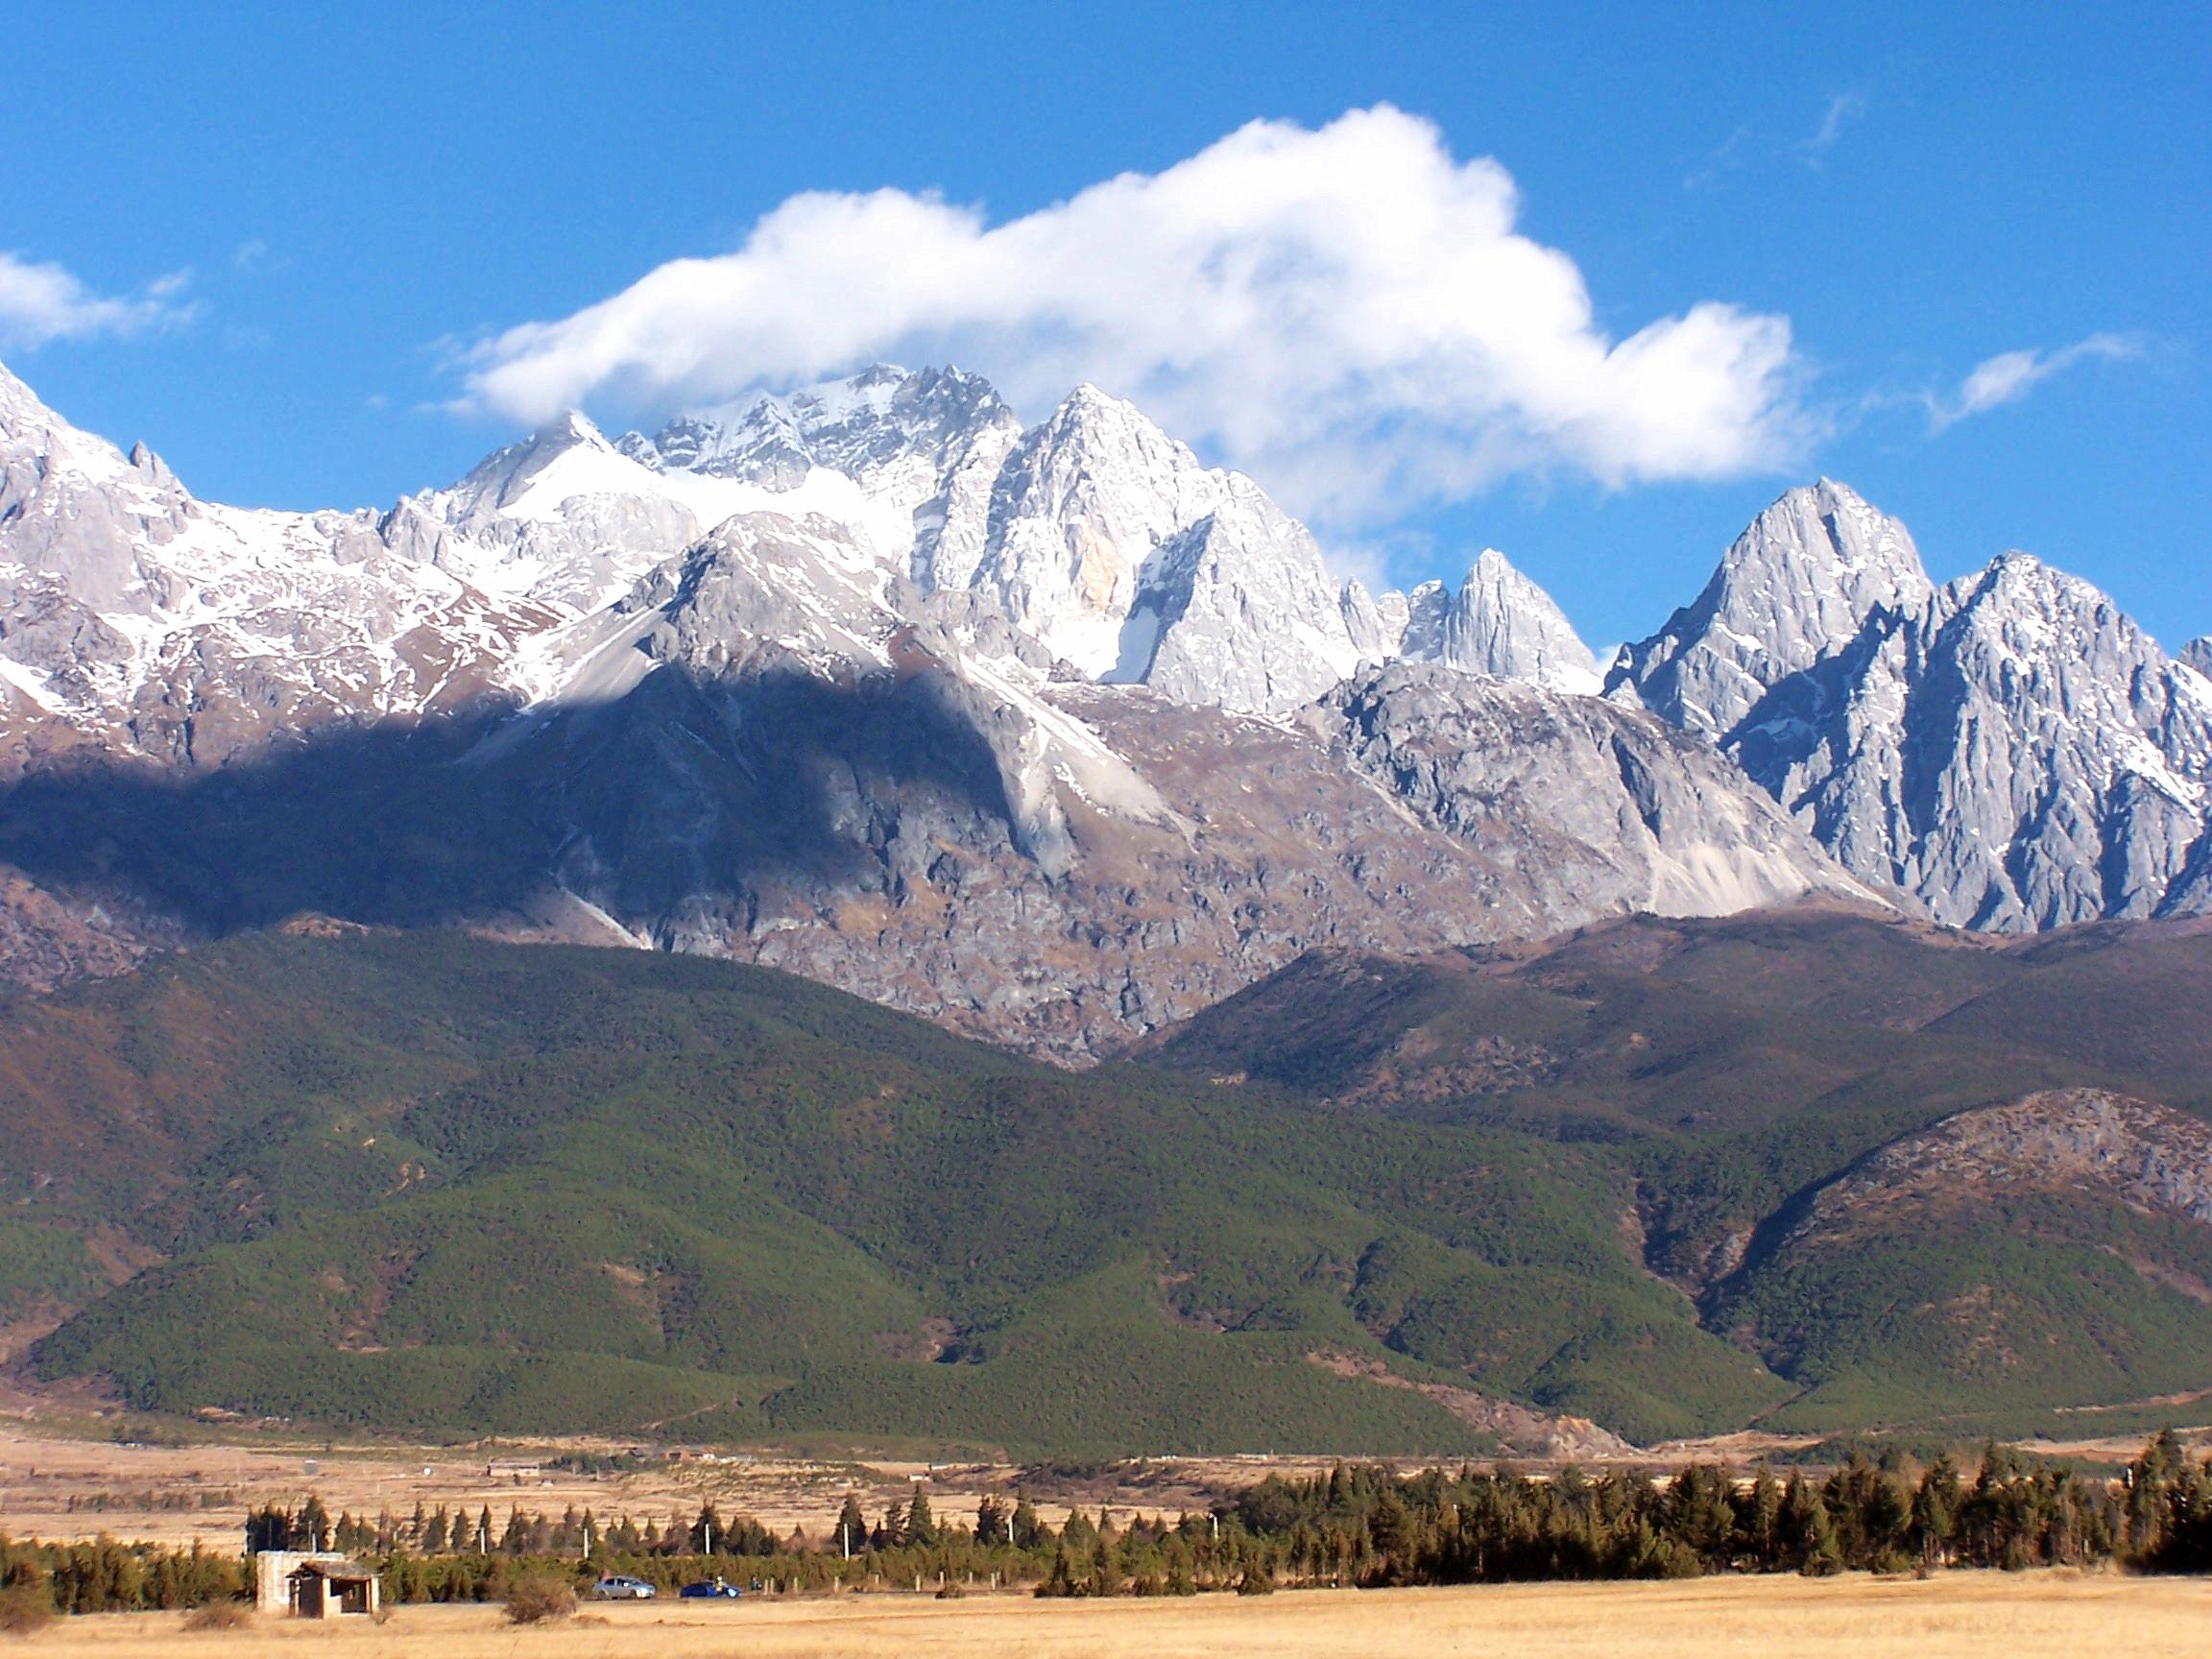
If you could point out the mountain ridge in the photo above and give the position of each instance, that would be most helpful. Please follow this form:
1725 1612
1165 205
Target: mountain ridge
1035 631
767 739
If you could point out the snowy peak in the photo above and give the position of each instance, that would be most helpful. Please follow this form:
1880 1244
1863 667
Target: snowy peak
1503 625
19 406
881 418
2018 591
32 432
1082 504
75 510
1239 612
1797 584
503 478
2198 654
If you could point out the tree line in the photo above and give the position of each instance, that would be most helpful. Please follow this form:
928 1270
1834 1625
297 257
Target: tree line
1356 1525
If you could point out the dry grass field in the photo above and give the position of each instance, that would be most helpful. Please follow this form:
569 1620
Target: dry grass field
1961 1616
181 1494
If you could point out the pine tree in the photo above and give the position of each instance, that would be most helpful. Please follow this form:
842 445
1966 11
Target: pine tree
1028 1528
1761 1528
707 1535
991 1522
852 1526
1808 1530
921 1523
1061 1579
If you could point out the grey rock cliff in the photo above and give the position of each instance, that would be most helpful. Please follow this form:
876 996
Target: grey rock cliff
2009 749
2017 753
1503 625
1797 586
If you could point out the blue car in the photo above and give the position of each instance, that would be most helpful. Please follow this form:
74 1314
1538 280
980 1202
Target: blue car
710 1587
621 1587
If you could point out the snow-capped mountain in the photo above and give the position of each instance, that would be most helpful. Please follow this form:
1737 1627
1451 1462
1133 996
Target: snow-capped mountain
2009 751
1093 531
2198 654
804 682
2010 748
137 619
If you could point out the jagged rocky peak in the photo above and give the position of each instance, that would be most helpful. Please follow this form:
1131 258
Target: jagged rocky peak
1501 624
2198 654
2017 755
1106 536
880 418
75 510
1428 621
1239 612
1797 584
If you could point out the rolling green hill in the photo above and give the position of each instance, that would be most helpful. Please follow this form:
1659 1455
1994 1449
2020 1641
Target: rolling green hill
422 1181
1743 1068
417 1181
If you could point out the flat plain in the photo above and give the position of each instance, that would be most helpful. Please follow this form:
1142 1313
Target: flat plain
1952 1616
55 1486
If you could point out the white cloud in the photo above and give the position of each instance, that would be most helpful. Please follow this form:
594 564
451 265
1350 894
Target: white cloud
40 302
1723 164
1843 108
2010 375
1348 313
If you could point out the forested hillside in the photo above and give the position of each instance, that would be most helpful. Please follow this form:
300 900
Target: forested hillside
422 1181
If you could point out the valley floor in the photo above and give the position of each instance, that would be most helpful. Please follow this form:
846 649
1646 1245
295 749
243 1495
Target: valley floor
1953 1616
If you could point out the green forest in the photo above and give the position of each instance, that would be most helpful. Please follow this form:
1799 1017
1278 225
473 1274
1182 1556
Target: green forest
424 1184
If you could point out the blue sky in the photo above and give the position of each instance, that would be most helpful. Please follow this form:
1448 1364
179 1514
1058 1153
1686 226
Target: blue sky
306 217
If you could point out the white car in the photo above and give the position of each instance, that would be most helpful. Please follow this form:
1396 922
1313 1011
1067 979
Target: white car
621 1587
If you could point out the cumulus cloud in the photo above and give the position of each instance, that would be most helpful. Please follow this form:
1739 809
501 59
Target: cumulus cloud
1346 312
2010 375
40 302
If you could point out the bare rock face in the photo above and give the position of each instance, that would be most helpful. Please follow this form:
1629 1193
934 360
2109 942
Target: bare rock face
2016 752
1588 806
1503 625
2151 1159
1799 585
2198 655
2011 750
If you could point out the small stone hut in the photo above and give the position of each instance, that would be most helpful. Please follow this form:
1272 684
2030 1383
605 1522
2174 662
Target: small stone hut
314 1586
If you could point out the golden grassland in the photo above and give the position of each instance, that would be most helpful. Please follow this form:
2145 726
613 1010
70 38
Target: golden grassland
1952 1616
201 1492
